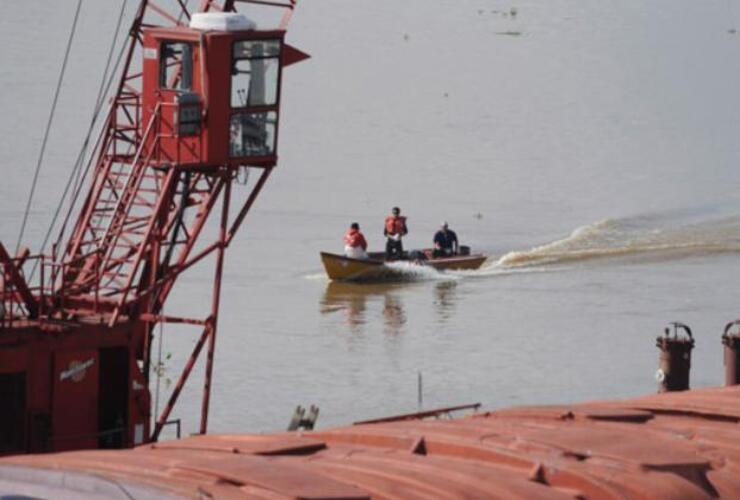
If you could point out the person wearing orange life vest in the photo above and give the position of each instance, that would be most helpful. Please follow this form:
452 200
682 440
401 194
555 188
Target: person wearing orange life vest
355 244
395 228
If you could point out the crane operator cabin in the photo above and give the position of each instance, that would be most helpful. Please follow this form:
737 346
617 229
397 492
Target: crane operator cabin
214 89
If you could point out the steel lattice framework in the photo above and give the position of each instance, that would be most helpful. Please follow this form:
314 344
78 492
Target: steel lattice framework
136 230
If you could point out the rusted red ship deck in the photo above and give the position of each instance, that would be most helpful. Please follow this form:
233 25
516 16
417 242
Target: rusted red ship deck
677 445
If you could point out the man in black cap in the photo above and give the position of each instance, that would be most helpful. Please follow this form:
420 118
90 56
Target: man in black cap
445 242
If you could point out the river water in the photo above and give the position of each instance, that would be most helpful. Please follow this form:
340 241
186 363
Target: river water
589 147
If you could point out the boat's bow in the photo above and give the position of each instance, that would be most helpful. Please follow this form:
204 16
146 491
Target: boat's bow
341 267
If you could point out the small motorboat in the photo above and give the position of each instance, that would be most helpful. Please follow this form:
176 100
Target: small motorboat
377 267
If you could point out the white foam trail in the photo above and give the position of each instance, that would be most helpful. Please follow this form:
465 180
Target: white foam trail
316 277
417 272
643 238
396 271
632 237
495 269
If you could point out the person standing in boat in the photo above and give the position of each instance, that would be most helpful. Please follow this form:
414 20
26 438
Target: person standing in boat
355 244
445 242
395 229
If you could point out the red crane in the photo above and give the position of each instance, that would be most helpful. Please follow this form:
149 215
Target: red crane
198 101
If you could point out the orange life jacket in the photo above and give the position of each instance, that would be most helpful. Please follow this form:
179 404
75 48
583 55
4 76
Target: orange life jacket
395 225
355 238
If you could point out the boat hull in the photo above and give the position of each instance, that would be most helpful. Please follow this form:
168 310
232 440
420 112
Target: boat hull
340 267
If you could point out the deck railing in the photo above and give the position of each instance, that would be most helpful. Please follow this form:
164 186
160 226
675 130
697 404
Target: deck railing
30 288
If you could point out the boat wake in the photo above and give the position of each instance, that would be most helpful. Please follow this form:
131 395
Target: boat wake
634 240
637 239
409 271
396 272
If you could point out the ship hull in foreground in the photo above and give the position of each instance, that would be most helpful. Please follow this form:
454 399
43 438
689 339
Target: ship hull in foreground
667 446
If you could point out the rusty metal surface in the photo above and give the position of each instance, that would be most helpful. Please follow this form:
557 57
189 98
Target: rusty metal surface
680 445
437 412
731 352
674 365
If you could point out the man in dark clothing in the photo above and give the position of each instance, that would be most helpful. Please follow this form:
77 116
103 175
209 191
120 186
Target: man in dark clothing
445 242
395 228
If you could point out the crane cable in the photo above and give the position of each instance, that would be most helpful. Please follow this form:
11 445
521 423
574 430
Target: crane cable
48 125
105 84
81 174
77 172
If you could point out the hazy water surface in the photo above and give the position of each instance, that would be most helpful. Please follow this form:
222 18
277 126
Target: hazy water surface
590 147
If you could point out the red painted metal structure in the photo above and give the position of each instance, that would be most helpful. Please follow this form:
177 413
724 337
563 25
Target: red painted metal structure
676 445
75 343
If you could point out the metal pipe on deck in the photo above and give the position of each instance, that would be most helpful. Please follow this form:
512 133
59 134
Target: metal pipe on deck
674 363
731 343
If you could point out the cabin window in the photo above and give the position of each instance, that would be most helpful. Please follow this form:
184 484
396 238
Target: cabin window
254 73
253 134
176 66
